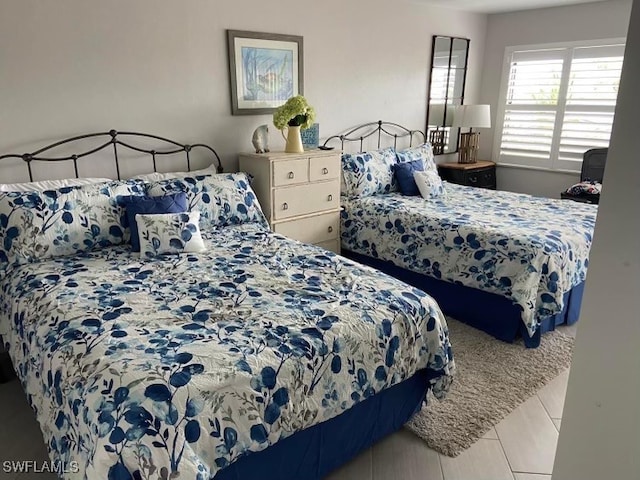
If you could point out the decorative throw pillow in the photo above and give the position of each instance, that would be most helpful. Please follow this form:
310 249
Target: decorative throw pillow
169 233
135 204
429 184
368 173
422 152
222 199
404 176
38 225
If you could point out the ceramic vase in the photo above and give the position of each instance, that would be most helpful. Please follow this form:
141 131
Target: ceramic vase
293 139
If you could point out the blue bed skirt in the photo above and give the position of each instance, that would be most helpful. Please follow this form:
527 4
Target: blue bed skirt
491 313
313 453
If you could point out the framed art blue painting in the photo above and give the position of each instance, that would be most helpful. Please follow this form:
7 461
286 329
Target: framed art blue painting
266 69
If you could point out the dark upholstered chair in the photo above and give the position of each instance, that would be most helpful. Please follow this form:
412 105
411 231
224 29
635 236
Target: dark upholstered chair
593 163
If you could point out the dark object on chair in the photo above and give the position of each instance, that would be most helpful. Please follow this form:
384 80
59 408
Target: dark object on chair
593 164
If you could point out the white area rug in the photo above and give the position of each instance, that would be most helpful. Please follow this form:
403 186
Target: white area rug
492 379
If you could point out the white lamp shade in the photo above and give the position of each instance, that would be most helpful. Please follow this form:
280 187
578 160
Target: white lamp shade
474 116
437 117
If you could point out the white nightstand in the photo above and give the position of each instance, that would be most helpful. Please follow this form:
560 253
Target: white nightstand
299 193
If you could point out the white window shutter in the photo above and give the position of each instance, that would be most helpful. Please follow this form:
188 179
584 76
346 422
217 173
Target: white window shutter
558 103
591 102
531 107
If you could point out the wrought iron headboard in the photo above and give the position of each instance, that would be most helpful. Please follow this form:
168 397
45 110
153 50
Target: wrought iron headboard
114 139
366 130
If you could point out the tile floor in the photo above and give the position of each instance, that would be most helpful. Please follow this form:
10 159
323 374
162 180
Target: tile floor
521 447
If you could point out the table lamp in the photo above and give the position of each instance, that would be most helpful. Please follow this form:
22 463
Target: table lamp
471 116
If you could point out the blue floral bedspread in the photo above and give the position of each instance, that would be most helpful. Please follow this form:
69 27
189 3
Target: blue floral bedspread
187 363
529 249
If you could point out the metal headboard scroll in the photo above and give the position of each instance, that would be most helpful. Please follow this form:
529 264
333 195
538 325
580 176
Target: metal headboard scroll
115 139
367 130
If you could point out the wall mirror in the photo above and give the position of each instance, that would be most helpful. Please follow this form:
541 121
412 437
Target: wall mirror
449 57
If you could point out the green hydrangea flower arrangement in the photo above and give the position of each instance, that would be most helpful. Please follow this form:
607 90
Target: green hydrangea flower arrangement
296 112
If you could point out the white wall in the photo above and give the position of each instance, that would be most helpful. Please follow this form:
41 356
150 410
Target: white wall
600 435
74 66
548 25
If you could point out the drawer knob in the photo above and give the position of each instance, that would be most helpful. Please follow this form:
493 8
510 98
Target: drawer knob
291 175
473 179
330 198
325 171
285 206
330 229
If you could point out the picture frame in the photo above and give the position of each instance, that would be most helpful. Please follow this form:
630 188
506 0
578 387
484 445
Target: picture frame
265 70
310 137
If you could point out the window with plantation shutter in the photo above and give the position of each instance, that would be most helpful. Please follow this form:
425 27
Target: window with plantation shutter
557 102
440 84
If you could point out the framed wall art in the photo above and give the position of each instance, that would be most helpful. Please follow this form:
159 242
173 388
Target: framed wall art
310 137
265 69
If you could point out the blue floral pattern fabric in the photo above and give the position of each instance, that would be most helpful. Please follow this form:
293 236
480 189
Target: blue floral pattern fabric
223 199
368 173
134 205
38 225
404 176
169 233
138 368
528 249
429 184
422 152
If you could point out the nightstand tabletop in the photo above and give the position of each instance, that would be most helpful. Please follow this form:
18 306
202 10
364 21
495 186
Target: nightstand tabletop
467 166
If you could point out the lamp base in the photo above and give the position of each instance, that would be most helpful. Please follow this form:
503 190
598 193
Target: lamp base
468 150
438 139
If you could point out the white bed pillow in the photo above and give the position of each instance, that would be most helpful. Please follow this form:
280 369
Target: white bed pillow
223 199
422 152
54 223
429 184
157 176
368 173
50 184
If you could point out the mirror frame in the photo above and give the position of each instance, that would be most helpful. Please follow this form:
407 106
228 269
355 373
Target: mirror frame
429 131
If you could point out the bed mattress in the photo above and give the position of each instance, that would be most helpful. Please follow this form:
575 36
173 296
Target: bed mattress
188 363
528 249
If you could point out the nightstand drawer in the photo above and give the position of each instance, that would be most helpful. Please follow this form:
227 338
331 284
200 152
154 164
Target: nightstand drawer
332 245
320 228
485 177
481 174
290 172
303 199
324 168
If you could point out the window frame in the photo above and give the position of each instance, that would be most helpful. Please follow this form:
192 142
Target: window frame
553 163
